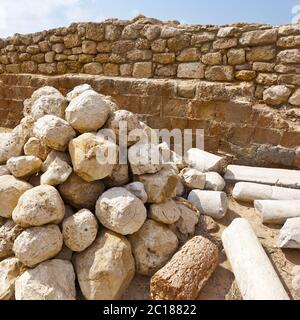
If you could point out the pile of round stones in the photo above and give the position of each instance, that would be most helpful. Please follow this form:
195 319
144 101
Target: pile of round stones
67 217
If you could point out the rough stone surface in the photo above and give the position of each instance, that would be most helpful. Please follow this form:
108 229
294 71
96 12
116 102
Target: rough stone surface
4 170
87 112
295 98
80 230
192 178
38 206
80 193
183 277
54 132
78 90
88 153
152 246
11 145
277 95
160 186
24 166
137 189
290 234
57 173
106 268
52 156
10 270
166 212
11 190
9 231
214 181
121 211
34 147
37 244
50 280
118 177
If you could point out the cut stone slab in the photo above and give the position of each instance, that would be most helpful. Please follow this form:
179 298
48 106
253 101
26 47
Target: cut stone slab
121 211
37 244
290 234
11 190
183 277
249 192
210 203
10 270
87 112
80 230
279 177
54 132
165 212
106 268
50 280
204 161
81 194
24 166
277 211
152 246
254 273
39 206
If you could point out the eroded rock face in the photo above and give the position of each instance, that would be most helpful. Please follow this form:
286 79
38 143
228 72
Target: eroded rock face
78 91
160 186
121 211
57 173
80 193
87 112
89 156
11 190
9 231
53 155
106 268
37 244
24 166
54 132
11 145
152 246
166 212
80 230
50 280
38 206
10 270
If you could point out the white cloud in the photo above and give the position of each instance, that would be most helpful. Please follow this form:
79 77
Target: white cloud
135 13
21 16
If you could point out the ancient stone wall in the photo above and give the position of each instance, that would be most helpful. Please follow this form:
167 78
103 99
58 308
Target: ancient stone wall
233 121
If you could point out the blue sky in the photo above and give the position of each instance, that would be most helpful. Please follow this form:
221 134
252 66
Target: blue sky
23 16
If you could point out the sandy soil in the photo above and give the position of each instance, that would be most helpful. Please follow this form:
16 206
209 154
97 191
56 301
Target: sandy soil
222 285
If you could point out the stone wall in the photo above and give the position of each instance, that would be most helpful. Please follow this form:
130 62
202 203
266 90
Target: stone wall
235 123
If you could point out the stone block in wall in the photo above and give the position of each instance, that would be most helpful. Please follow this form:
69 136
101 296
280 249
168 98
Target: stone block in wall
212 58
293 79
73 66
234 112
143 44
94 31
111 69
245 75
116 58
89 47
289 42
151 32
113 32
77 50
295 99
290 139
236 56
275 155
179 43
58 47
29 67
166 70
277 95
33 49
267 79
131 31
225 43
261 54
85 58
60 57
24 57
175 107
267 136
142 70
49 56
126 70
263 66
38 58
194 70
170 32
164 58
219 73
241 135
159 45
44 46
259 37
13 68
13 57
47 68
93 68
4 59
104 47
289 56
139 55
56 39
291 68
228 32
102 57
201 110
289 29
186 89
202 37
188 55
72 40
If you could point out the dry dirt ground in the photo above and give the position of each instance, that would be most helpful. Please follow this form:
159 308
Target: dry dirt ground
222 285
